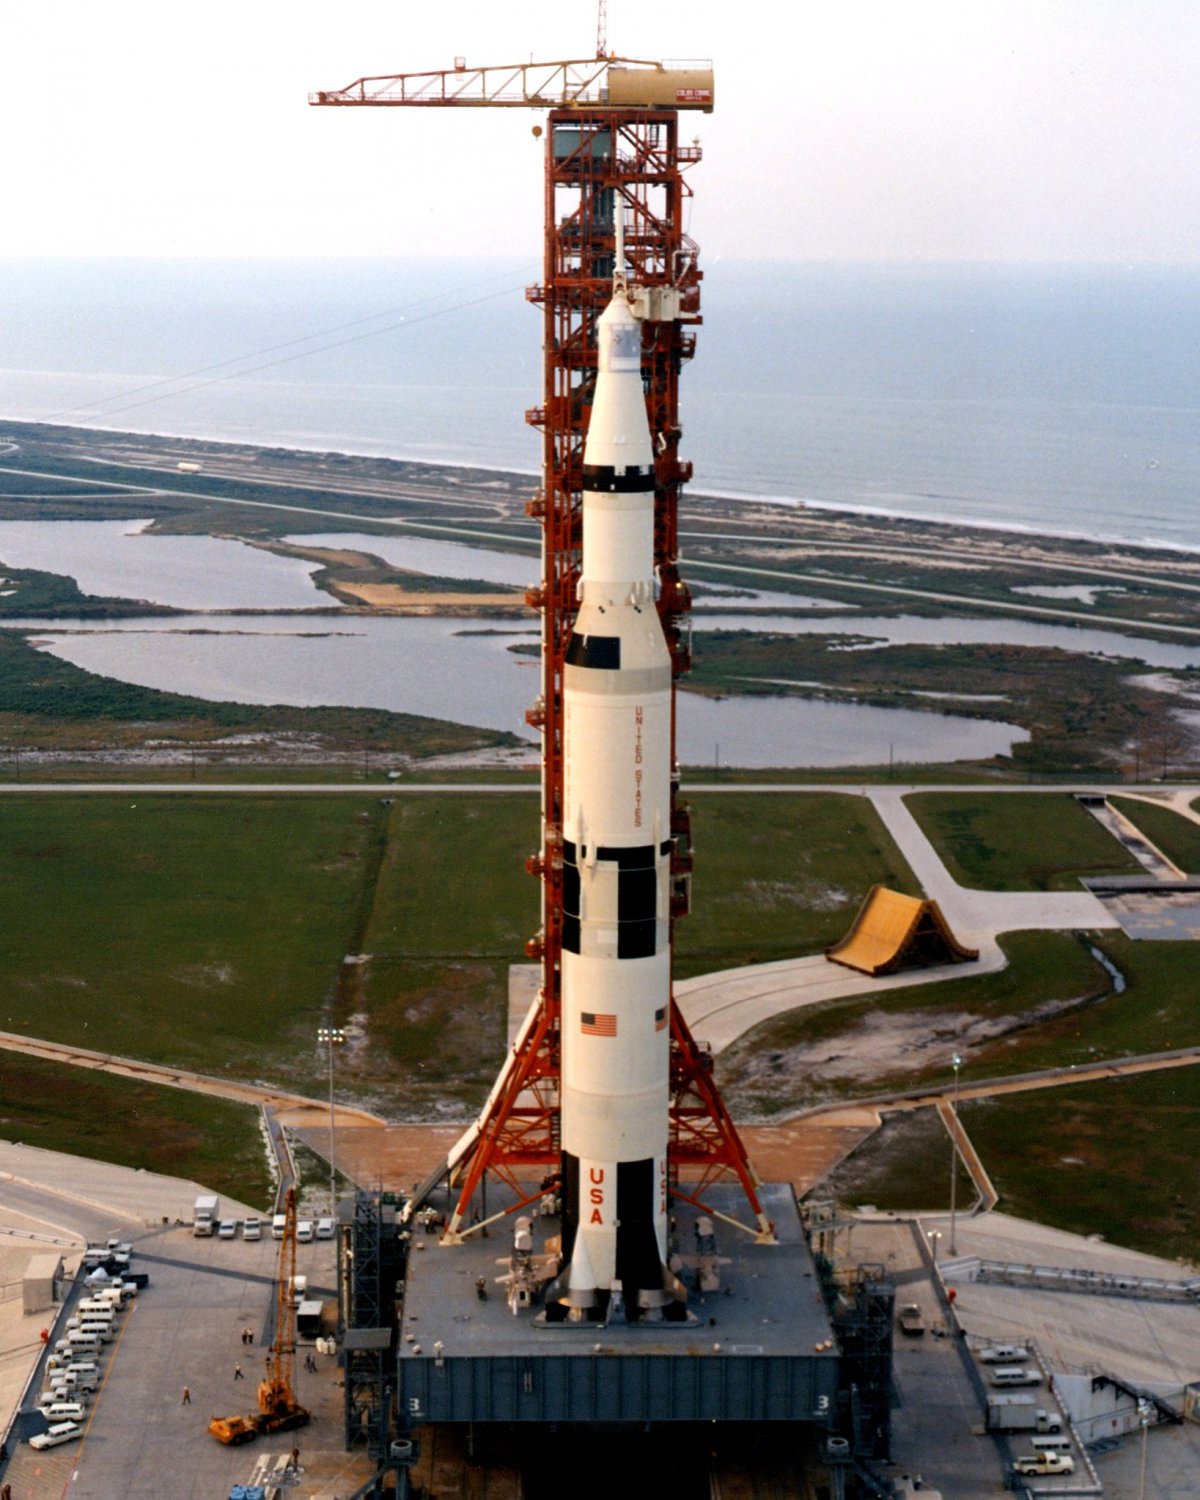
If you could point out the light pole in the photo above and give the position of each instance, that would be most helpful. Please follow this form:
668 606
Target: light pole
1145 1411
956 1063
935 1236
331 1037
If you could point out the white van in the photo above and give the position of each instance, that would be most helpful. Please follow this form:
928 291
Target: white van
1052 1443
98 1328
98 1307
81 1344
278 1225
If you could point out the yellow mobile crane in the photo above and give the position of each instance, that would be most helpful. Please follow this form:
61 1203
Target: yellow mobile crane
278 1409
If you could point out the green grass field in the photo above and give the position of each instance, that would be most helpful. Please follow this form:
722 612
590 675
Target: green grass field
1041 842
1117 1159
210 932
1178 838
201 932
1074 1158
780 875
113 1119
451 910
904 1166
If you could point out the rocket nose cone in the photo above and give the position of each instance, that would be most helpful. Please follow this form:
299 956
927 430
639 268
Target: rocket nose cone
618 337
617 312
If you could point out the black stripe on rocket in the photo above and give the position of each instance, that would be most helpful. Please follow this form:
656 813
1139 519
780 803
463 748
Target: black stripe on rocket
603 479
638 1263
602 652
637 899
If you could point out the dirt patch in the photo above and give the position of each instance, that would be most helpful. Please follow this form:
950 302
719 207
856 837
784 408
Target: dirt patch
880 1045
396 596
812 895
331 557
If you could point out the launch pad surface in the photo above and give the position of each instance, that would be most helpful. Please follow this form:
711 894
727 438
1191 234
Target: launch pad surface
760 1347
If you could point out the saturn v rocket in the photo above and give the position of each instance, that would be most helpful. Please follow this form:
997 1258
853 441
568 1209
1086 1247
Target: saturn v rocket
616 963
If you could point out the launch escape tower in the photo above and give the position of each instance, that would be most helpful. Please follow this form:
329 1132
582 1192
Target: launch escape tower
611 147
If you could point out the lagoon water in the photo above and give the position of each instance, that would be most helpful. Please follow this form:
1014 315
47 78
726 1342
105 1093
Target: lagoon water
385 663
1050 398
116 559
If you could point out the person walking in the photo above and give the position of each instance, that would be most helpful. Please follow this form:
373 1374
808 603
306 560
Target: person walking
237 1373
187 1397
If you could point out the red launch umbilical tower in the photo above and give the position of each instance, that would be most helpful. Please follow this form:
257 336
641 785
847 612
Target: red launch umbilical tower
611 147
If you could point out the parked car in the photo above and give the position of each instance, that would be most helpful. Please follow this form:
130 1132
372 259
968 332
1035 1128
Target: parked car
324 1229
60 1432
227 1229
1004 1354
252 1229
304 1231
910 1320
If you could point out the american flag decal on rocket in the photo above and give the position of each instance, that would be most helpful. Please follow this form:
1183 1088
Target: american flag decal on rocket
593 1024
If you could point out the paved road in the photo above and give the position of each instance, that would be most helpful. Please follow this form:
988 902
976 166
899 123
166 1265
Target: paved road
720 1007
290 1108
977 916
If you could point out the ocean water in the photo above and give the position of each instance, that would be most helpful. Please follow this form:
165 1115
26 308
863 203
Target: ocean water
1061 399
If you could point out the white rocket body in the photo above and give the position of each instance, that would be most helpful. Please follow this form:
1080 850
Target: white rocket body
616 862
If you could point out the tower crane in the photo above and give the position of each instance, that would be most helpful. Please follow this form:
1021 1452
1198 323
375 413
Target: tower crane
278 1408
612 150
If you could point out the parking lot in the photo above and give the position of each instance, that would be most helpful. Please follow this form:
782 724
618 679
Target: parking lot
184 1330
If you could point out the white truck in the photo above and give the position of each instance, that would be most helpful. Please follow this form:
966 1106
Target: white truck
1020 1414
204 1216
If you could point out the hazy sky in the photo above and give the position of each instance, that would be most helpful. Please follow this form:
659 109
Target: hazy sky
910 130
